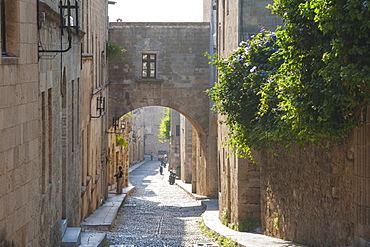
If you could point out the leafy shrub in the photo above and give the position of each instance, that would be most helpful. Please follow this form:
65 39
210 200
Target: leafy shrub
307 83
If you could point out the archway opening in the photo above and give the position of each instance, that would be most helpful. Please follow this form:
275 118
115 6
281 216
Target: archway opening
138 135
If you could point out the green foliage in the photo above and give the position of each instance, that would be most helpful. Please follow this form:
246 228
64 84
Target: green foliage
121 141
248 225
105 243
225 217
227 242
129 114
306 83
114 51
276 221
240 92
164 127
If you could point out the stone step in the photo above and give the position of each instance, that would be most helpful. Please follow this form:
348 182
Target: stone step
364 242
103 218
72 237
64 226
93 239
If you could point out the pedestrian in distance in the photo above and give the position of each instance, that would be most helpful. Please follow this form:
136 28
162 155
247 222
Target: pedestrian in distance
118 176
151 156
161 170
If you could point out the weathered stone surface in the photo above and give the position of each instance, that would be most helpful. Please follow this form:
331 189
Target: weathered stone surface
182 77
182 69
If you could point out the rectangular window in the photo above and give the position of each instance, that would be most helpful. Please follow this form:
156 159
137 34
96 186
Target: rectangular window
149 66
177 130
2 27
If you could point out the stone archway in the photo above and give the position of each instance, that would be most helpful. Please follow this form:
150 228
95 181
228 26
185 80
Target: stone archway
176 77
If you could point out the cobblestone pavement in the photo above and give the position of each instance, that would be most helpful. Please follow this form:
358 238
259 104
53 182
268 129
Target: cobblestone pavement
157 214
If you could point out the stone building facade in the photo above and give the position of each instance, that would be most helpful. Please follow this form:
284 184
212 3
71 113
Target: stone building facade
60 94
48 91
174 158
313 196
94 172
20 128
151 119
118 152
178 80
137 137
186 150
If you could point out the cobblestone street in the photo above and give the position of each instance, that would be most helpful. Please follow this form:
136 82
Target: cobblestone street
157 214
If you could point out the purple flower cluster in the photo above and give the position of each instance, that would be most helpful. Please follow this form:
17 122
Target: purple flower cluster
241 60
275 49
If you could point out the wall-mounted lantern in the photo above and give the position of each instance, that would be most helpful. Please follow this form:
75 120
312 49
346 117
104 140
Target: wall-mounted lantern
100 106
116 126
115 123
123 124
69 20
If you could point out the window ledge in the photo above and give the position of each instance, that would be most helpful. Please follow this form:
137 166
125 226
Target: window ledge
149 80
9 60
87 56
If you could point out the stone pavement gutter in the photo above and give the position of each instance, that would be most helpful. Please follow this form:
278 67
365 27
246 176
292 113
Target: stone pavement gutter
244 239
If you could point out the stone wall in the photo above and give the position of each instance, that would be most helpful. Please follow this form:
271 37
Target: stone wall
137 137
255 16
175 151
186 149
41 121
307 196
20 128
60 102
319 196
315 196
182 70
94 122
359 151
183 76
94 167
118 155
151 120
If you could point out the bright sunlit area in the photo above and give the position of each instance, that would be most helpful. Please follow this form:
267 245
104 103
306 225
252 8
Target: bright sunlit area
156 11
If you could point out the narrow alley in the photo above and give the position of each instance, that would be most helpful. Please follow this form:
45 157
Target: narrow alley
157 213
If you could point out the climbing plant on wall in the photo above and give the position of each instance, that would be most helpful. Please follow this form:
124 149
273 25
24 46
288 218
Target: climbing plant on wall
306 83
114 51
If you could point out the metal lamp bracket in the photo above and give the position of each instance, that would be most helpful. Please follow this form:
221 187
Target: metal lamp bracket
67 22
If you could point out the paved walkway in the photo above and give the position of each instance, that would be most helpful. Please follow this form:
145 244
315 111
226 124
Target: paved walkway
155 213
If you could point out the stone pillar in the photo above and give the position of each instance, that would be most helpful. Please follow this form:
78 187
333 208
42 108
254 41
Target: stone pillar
186 150
174 155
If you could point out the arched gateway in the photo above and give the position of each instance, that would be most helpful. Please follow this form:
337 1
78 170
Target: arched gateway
164 65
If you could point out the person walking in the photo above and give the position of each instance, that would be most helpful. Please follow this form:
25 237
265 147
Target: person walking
118 176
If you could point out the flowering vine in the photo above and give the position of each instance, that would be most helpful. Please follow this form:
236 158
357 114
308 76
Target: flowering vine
307 83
